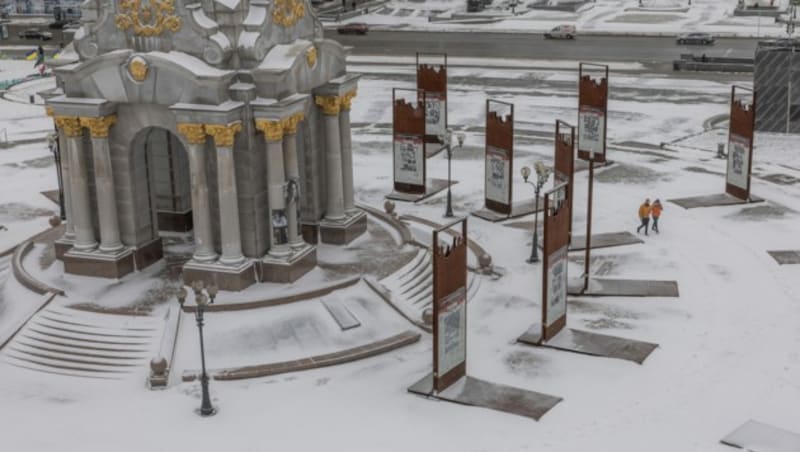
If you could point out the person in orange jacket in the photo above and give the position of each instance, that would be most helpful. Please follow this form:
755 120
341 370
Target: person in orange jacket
655 212
644 216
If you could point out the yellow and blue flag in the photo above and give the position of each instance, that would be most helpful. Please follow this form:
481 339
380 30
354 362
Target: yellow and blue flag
32 55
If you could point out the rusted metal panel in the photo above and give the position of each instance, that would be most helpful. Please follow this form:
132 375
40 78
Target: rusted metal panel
592 114
565 160
499 156
554 264
449 304
432 78
740 145
408 149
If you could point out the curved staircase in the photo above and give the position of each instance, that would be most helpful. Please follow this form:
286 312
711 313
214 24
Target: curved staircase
79 343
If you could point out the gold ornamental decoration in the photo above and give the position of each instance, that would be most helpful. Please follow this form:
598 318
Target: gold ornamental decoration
137 67
147 19
311 56
194 133
330 105
347 100
100 126
273 130
290 123
70 125
286 13
49 110
223 134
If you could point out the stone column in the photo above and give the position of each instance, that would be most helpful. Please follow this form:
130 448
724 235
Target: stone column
273 135
69 231
230 233
78 184
104 182
334 206
347 153
292 169
201 211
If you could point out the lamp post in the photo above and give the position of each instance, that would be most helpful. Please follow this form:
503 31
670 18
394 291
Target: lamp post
447 139
542 174
52 143
203 299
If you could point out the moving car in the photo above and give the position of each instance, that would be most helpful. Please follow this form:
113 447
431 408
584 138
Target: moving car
561 32
355 28
696 38
35 34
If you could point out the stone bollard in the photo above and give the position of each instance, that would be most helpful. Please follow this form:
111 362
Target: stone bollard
485 261
54 221
159 372
388 206
427 316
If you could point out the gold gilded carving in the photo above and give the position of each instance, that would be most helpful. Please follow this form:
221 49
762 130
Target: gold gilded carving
49 111
99 126
286 13
273 130
194 133
223 134
290 123
311 56
330 105
347 100
150 19
70 125
138 68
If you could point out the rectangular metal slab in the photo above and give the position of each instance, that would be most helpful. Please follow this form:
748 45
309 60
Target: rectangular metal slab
588 343
786 257
607 287
480 393
720 199
518 209
604 240
759 437
341 314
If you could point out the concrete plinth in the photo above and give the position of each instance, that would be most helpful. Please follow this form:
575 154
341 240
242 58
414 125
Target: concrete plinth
226 277
175 221
100 265
310 233
148 254
287 270
62 246
342 233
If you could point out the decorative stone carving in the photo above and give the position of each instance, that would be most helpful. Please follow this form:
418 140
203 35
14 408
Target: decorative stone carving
100 126
273 130
70 125
150 19
223 134
311 56
137 68
194 133
290 123
330 105
286 13
347 99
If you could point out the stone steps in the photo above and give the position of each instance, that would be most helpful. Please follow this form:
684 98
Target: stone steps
79 343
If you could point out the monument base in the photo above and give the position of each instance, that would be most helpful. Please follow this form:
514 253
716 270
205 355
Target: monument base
336 233
61 246
226 277
287 270
175 221
148 254
99 264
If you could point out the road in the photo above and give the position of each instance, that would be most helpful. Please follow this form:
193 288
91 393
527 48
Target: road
534 46
13 29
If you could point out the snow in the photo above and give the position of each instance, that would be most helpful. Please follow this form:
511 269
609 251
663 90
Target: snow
728 346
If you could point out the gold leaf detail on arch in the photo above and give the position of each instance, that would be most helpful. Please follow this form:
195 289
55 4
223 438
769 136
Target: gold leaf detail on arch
150 19
286 13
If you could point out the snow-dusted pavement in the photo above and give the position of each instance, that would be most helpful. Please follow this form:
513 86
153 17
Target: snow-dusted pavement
729 346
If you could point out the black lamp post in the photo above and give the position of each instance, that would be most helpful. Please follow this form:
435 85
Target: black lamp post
56 150
542 174
447 139
202 299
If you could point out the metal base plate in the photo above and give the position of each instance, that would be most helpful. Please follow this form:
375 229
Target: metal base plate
604 240
721 199
607 287
588 343
433 186
758 437
519 209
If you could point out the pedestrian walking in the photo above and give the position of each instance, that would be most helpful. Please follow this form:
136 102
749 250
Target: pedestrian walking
655 212
644 216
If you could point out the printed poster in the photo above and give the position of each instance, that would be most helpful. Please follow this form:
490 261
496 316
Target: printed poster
591 130
498 177
435 114
409 158
556 286
452 332
738 161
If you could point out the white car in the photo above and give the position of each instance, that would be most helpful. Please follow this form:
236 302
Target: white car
561 32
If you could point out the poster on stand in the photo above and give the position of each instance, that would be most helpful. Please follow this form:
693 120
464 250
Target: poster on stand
592 112
738 161
498 175
408 142
741 133
432 80
591 131
557 217
409 159
435 114
452 338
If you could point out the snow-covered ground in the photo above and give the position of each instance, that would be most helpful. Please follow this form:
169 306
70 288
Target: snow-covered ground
668 17
729 346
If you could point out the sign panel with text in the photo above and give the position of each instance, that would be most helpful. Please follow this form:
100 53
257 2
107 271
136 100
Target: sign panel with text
408 126
592 112
740 144
432 79
499 156
554 265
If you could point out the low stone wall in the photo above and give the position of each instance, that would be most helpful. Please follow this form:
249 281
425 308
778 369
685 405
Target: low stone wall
25 278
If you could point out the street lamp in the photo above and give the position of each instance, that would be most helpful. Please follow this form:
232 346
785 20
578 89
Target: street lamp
542 174
52 143
203 300
447 139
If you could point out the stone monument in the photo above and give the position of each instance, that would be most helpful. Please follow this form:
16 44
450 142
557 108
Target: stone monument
227 118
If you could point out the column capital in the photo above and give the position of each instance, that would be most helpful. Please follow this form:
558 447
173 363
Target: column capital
98 126
331 105
223 134
194 133
49 111
290 123
272 129
347 99
70 125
